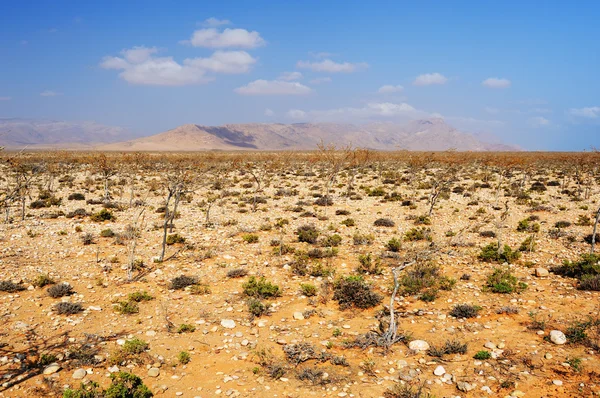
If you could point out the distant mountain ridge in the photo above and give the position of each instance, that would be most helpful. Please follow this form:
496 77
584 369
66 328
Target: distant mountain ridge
41 133
426 135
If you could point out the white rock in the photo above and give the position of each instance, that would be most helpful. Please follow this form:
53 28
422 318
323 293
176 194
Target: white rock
79 374
153 372
113 369
539 272
52 368
439 371
558 337
228 323
298 316
418 345
557 382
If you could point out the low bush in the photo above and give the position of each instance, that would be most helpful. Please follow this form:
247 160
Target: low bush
482 355
465 311
140 296
260 288
362 239
76 196
308 289
11 287
127 307
123 385
415 234
66 308
394 245
182 281
307 233
250 238
368 265
501 280
174 238
43 280
102 215
60 290
257 308
186 328
384 222
237 273
489 253
184 357
353 291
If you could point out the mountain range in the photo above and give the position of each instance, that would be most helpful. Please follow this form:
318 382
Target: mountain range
427 134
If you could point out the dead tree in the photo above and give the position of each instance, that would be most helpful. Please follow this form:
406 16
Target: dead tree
107 168
176 184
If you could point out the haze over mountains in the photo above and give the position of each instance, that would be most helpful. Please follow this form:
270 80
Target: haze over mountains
427 134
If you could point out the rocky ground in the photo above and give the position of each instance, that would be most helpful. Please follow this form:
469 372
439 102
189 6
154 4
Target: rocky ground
528 353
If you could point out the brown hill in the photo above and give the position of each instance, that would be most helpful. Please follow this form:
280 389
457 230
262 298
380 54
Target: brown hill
431 134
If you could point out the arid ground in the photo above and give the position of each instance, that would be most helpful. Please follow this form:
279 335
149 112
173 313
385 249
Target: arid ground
272 274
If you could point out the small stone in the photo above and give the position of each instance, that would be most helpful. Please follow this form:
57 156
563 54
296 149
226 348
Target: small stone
418 345
79 374
153 372
490 345
51 369
298 316
558 337
557 382
439 371
517 393
464 386
228 323
113 369
539 272
548 356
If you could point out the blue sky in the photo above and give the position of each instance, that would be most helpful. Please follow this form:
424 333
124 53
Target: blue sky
527 71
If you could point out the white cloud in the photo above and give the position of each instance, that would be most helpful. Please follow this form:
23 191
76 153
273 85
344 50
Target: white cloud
140 67
591 112
138 54
269 112
296 114
213 22
320 80
224 62
212 38
321 54
538 121
495 82
388 89
49 93
289 76
273 87
372 110
330 66
428 79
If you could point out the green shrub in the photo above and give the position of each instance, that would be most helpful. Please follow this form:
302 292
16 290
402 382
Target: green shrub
127 307
308 289
184 357
260 288
256 307
526 226
482 355
331 241
415 234
250 238
43 280
134 346
102 215
367 265
107 233
174 238
394 245
465 311
140 296
502 281
353 291
349 222
307 233
127 385
186 328
528 245
362 239
489 253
